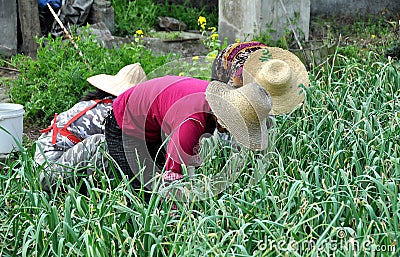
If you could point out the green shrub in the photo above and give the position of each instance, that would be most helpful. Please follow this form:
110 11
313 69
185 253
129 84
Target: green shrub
189 15
57 78
133 15
143 14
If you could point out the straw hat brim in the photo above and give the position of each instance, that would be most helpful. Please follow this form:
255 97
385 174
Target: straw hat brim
109 84
226 106
127 77
294 96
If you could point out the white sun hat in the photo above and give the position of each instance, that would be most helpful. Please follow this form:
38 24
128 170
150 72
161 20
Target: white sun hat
127 77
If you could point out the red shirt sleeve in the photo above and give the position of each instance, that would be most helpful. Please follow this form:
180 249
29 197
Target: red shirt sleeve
183 146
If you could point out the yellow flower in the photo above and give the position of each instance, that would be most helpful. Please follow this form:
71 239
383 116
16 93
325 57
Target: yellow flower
201 20
214 36
373 36
181 74
195 58
213 29
139 32
237 40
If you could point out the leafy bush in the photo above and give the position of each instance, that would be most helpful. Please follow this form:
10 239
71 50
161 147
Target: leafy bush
143 14
57 78
133 15
189 15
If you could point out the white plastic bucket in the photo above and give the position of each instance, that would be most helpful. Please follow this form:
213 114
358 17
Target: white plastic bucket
11 119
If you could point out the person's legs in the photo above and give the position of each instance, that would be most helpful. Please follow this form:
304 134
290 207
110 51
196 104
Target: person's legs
158 153
145 159
85 155
115 146
120 146
134 156
131 155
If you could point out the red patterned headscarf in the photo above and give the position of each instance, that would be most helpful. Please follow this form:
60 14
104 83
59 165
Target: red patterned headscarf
228 65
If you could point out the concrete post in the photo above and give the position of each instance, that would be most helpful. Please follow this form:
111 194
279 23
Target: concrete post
243 19
238 19
8 27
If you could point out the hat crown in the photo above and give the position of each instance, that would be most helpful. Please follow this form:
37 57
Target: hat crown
253 101
280 72
276 75
132 73
127 77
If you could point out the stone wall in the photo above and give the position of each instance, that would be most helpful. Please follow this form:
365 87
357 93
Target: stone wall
343 8
102 11
237 19
243 19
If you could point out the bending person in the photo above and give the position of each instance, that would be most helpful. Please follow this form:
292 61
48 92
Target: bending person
176 112
73 140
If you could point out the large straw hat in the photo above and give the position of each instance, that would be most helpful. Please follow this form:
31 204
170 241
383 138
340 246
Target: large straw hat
242 111
127 77
281 73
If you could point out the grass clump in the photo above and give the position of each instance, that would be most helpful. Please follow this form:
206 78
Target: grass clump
328 185
131 16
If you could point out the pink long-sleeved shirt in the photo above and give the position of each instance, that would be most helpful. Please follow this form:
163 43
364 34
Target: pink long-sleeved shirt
170 106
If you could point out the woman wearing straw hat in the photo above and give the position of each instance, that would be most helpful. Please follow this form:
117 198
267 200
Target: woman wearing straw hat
72 140
279 71
175 112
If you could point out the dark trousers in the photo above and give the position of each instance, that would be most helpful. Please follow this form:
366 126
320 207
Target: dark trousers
139 160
